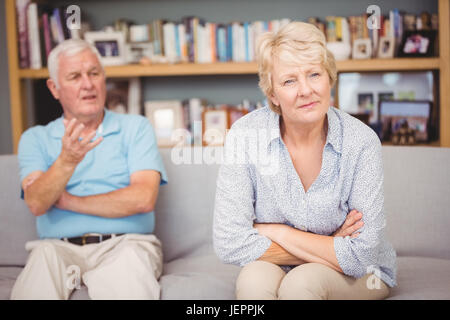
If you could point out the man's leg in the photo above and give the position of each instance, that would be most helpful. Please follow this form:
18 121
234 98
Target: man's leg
50 272
314 281
125 267
259 280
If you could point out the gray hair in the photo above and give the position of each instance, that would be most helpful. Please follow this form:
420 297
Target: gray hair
68 48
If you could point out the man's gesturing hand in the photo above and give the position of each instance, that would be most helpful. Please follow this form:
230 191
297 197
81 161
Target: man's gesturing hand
73 149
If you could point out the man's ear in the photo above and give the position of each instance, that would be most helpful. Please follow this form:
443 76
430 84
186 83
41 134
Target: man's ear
52 87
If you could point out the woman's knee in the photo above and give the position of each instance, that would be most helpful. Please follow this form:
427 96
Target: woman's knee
259 280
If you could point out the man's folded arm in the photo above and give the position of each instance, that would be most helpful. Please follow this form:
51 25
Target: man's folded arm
42 189
139 197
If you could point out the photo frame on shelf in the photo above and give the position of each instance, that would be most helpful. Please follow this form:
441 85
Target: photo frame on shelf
110 45
123 95
418 43
117 95
215 125
362 49
400 114
166 116
137 51
386 48
366 105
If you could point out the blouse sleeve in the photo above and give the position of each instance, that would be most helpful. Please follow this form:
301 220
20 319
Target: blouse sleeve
234 238
357 256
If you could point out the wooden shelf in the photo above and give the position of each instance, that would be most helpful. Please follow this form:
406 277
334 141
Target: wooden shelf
234 68
395 64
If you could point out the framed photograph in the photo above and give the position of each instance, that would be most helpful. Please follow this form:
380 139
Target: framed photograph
166 116
123 95
386 47
362 49
137 51
400 114
385 96
117 95
215 125
110 45
419 43
366 105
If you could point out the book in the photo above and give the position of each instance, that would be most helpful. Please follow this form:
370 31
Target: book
34 43
22 30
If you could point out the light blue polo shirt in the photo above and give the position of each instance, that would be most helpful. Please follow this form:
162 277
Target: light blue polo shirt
128 145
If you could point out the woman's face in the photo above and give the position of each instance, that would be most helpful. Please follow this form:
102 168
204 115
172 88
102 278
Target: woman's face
302 92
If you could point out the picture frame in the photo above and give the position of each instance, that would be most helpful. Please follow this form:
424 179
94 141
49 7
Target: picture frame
137 51
123 95
366 105
362 49
417 43
401 114
166 116
110 45
386 47
215 125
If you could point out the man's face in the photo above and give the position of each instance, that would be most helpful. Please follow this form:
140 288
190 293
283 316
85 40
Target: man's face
82 88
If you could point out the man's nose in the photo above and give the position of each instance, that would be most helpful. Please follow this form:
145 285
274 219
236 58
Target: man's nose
87 82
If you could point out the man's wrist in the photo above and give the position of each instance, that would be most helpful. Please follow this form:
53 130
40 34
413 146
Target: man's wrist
67 166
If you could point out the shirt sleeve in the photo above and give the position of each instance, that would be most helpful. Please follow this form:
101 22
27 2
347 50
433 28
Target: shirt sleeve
31 156
234 238
359 255
143 153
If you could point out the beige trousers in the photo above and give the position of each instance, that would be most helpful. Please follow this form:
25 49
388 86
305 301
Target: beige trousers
261 280
123 267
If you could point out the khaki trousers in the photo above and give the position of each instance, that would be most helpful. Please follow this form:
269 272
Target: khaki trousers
261 280
123 267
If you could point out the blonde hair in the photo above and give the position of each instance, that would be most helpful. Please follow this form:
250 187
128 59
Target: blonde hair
297 43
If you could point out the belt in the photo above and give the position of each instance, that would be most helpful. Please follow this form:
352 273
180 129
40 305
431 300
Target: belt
89 238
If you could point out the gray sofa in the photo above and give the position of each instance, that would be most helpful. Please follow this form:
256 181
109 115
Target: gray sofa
417 201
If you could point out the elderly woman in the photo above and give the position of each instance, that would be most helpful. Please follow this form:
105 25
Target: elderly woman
310 223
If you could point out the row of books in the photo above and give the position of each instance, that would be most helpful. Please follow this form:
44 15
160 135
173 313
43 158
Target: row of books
195 40
40 28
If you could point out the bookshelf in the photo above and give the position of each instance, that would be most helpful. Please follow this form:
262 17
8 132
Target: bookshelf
441 65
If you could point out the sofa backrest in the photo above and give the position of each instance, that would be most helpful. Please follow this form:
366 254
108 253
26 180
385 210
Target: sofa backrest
417 201
17 224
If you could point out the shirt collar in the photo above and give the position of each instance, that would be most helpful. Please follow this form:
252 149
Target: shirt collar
109 125
334 136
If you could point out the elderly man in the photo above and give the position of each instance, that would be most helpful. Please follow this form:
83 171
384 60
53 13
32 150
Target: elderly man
91 178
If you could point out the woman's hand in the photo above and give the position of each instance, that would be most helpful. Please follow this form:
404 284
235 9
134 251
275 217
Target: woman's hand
352 223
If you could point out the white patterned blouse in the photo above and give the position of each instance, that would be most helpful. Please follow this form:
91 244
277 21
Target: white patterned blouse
257 183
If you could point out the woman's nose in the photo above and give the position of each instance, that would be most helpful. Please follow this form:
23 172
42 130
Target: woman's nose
304 88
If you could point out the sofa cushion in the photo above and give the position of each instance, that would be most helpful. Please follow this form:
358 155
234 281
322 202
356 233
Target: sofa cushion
198 277
417 201
422 278
8 276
